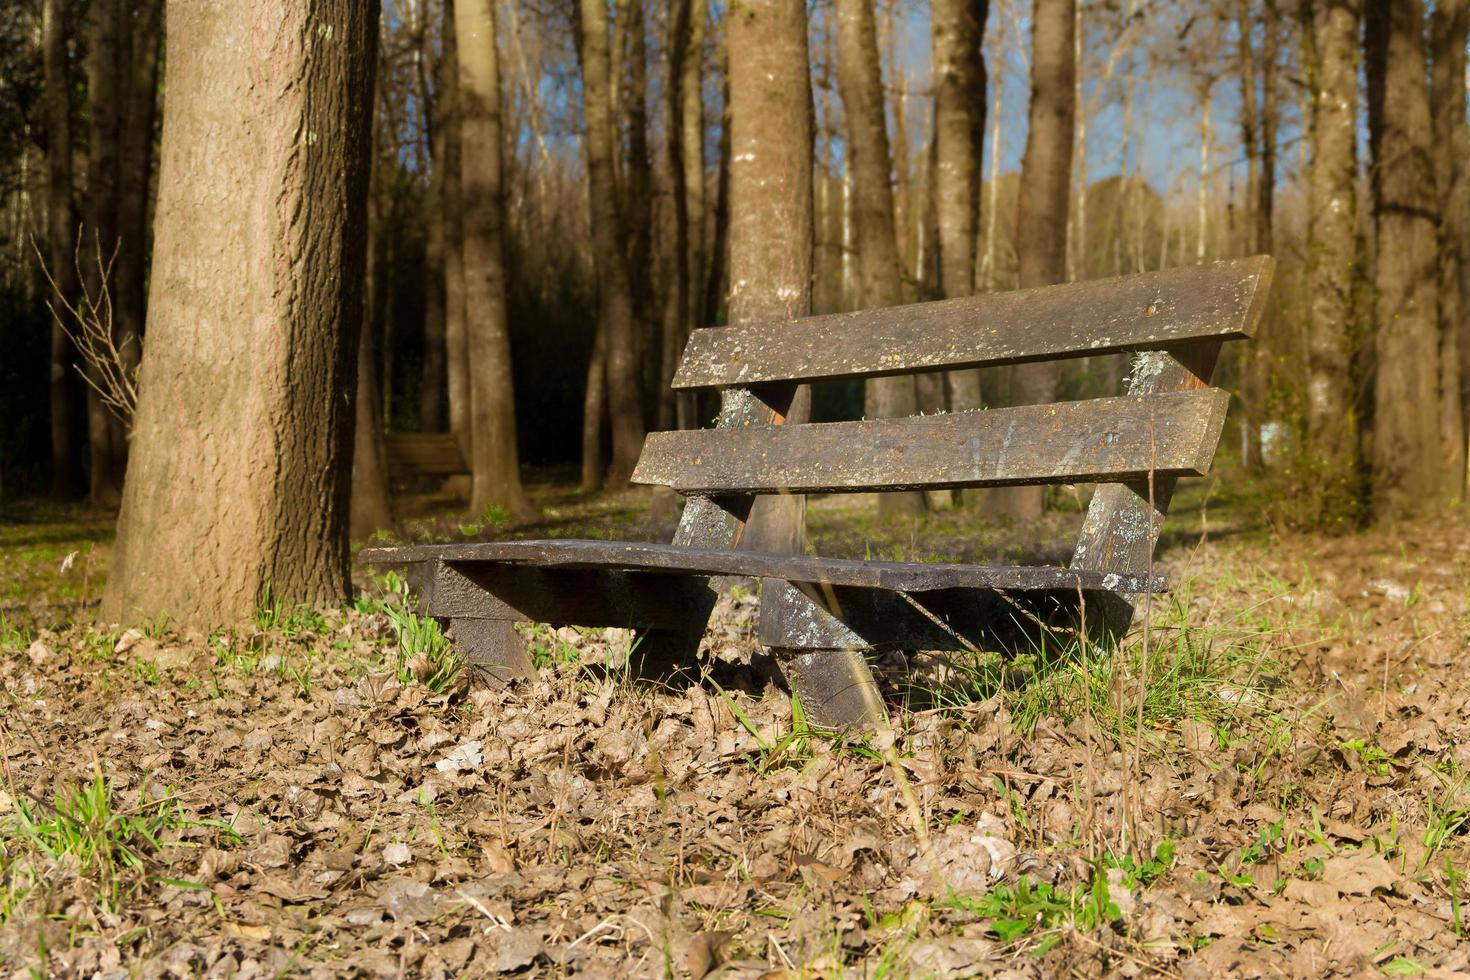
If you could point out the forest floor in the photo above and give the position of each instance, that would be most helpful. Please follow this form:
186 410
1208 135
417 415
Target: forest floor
1274 779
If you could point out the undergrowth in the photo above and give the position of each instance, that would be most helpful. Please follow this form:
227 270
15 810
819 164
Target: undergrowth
84 836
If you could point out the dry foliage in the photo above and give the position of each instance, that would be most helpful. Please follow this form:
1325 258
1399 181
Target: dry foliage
315 811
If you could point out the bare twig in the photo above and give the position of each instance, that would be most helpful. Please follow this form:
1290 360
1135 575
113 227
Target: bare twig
87 323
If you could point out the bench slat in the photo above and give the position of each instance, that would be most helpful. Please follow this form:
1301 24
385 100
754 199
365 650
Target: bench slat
1103 439
1140 312
667 558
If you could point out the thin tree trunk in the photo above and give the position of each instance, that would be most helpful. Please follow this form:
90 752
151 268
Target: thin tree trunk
433 383
987 263
638 214
860 79
494 460
1041 213
691 148
770 210
62 234
594 410
1249 125
675 319
1450 24
1077 254
1408 471
99 238
1333 274
456 336
136 171
959 126
720 238
370 507
243 435
895 97
615 300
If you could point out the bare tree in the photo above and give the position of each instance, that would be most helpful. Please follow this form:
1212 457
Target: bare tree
105 24
860 79
771 204
959 126
62 235
1450 24
494 460
242 440
619 340
1408 471
456 335
1041 215
1333 270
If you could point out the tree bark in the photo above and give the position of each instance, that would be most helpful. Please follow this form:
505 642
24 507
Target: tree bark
959 126
1041 213
1333 271
770 163
99 237
243 436
1450 24
66 476
614 292
494 461
859 78
1408 472
456 336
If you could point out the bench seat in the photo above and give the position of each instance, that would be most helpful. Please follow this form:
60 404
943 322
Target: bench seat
851 572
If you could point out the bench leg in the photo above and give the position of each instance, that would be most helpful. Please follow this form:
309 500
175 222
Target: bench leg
492 645
668 656
836 687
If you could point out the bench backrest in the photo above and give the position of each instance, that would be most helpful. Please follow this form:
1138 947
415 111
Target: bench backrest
1167 424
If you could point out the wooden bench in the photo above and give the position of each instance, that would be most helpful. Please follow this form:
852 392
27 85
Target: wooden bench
821 616
414 454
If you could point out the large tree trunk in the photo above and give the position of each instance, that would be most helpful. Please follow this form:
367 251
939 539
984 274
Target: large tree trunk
770 174
456 337
1450 25
99 237
1408 472
494 462
959 125
614 292
1334 275
242 442
859 77
1041 213
62 231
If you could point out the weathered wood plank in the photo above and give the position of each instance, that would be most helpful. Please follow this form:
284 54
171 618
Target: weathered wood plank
1102 439
560 596
803 616
1221 300
477 563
